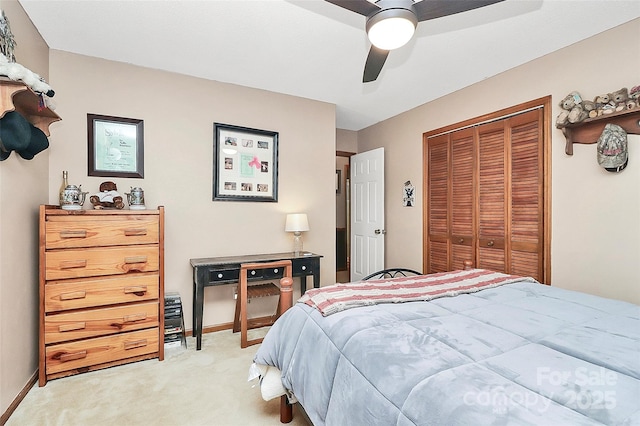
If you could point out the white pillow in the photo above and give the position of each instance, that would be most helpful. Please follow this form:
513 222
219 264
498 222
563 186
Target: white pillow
270 380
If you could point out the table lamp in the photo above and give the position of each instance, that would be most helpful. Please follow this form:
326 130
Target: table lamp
297 223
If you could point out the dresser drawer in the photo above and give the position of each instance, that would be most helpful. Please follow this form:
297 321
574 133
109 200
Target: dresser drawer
223 275
305 266
90 292
77 263
270 273
86 231
99 322
100 350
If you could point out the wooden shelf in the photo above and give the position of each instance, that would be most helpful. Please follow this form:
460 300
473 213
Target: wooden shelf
16 96
588 131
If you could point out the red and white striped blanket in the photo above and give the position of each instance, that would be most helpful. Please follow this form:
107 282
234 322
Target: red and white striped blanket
339 297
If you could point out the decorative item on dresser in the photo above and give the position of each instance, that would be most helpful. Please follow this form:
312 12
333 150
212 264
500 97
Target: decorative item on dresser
101 289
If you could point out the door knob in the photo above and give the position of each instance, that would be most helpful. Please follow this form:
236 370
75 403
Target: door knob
380 231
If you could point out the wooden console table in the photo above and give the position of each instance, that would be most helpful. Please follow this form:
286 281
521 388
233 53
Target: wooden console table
213 271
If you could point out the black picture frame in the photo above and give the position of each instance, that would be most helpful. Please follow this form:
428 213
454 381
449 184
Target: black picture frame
245 164
115 146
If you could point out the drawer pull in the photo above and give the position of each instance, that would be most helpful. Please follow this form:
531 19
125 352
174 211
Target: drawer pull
72 356
461 240
73 295
490 243
72 326
137 290
304 268
134 232
71 264
135 259
80 233
135 344
135 317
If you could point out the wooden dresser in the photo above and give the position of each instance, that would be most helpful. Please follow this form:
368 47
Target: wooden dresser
101 289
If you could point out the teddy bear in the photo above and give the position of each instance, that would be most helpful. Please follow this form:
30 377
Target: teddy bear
620 98
572 110
108 197
634 98
604 104
590 108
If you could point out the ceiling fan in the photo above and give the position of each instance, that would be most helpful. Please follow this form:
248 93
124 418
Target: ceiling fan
391 23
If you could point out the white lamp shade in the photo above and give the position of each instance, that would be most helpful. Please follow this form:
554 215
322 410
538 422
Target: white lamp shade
296 222
391 28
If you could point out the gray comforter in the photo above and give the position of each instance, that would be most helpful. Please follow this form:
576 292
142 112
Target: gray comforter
518 354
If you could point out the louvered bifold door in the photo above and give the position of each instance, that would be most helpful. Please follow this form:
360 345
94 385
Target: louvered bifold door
526 254
462 202
437 204
492 196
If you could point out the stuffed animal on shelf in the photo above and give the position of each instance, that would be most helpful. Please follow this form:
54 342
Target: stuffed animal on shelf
572 110
604 104
589 108
18 72
620 98
108 197
634 98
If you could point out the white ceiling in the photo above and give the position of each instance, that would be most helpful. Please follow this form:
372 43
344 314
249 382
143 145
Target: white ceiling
317 50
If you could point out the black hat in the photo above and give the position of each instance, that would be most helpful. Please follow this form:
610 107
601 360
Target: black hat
15 134
38 143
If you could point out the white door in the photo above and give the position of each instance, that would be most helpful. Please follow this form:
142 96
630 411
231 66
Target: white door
367 213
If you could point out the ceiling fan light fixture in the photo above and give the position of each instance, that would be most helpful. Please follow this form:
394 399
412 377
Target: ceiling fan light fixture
391 28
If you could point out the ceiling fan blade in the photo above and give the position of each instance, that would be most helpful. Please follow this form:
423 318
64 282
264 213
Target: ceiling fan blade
362 7
373 66
432 9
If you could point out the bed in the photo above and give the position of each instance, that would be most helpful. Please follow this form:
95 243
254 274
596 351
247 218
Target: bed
513 352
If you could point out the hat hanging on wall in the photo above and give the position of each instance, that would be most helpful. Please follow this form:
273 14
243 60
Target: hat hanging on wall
17 134
38 143
613 152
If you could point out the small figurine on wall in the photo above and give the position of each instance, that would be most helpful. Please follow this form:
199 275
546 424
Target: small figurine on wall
409 194
108 197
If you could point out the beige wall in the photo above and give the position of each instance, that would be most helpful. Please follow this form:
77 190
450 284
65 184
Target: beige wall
178 114
346 140
595 214
23 186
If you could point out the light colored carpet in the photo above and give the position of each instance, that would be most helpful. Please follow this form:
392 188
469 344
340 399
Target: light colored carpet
207 387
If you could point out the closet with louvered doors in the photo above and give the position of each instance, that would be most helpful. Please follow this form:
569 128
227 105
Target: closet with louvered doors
450 180
485 196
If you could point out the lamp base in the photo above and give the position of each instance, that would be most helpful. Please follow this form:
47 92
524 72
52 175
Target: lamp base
297 243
